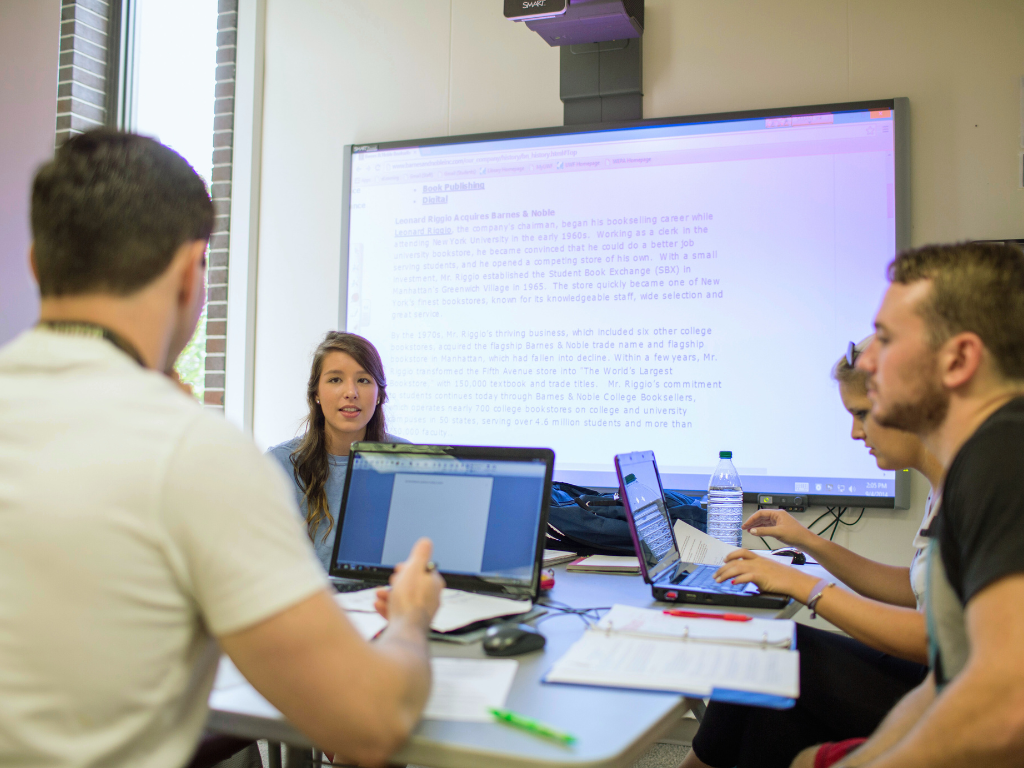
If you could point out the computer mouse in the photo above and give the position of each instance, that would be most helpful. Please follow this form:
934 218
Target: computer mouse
796 554
512 640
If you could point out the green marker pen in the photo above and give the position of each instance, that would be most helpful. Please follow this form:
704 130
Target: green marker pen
531 725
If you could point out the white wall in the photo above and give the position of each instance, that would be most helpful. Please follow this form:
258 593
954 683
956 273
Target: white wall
363 70
29 44
340 73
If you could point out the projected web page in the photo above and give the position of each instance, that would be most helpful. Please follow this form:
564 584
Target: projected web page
681 288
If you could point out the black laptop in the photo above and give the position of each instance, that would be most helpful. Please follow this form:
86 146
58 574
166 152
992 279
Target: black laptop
671 579
484 508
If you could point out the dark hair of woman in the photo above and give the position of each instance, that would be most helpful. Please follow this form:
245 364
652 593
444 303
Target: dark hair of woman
310 459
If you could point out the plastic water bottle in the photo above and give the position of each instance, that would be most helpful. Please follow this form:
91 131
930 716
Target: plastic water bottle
725 502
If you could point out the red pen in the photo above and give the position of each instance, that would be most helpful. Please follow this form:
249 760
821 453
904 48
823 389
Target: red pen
704 615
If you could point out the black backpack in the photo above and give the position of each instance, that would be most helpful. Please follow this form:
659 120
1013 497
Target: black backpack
592 523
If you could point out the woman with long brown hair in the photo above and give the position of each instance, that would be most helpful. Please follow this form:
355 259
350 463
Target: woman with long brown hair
345 393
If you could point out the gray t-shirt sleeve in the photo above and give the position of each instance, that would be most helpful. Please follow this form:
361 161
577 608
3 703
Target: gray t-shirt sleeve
981 526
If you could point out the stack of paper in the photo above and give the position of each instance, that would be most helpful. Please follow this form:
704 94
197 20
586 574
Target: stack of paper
556 556
464 689
458 609
642 649
605 564
698 547
695 546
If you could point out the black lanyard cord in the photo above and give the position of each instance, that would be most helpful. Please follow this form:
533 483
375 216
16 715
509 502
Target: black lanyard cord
83 328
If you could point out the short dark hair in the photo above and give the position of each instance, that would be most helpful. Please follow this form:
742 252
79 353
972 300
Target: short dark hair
977 287
110 211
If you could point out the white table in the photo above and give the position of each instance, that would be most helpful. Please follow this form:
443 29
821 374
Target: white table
613 727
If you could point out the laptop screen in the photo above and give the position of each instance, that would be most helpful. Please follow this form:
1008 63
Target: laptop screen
482 514
645 502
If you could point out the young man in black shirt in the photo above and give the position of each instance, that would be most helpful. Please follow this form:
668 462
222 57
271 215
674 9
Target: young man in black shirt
948 364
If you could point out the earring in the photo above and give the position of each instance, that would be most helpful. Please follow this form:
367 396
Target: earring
318 401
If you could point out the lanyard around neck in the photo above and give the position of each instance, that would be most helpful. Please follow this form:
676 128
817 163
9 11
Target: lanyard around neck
92 330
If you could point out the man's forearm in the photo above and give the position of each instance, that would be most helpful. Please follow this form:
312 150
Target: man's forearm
896 725
358 700
404 644
409 630
978 721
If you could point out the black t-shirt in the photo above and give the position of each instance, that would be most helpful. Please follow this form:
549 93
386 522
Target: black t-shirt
981 524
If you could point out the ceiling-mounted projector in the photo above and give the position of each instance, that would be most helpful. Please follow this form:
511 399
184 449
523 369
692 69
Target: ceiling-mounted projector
574 22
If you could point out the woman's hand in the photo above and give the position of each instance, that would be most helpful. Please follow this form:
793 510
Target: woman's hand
743 566
778 524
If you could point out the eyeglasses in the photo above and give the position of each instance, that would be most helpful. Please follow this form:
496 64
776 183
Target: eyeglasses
852 353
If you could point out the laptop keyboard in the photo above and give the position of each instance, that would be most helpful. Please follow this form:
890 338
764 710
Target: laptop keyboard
351 585
703 577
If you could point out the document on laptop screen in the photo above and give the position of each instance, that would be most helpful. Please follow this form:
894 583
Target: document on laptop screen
450 510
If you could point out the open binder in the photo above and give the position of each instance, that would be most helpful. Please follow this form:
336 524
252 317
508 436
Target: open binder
749 662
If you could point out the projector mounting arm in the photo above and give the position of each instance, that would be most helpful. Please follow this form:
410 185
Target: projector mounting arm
601 45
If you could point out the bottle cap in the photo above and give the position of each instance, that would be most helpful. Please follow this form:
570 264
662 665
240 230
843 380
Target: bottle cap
725 454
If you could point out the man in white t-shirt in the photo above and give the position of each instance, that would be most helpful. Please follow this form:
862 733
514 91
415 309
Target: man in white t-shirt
138 533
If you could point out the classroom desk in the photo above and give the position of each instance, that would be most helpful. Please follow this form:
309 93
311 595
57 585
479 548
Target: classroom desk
613 727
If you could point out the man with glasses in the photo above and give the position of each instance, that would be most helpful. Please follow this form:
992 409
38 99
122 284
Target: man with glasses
947 364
